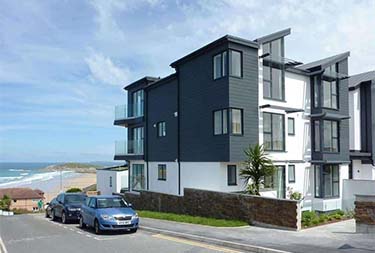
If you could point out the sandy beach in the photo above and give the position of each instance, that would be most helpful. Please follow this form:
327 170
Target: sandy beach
80 180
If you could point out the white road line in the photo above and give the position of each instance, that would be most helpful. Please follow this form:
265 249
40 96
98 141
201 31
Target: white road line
89 235
2 246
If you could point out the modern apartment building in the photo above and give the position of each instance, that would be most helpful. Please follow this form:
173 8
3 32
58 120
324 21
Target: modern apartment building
189 129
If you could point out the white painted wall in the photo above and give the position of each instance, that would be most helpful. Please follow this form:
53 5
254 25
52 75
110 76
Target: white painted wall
170 186
119 180
355 119
352 187
363 171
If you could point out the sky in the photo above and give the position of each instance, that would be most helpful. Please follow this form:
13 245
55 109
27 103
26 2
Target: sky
64 63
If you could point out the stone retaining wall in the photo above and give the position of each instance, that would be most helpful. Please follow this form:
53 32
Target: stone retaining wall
365 214
255 210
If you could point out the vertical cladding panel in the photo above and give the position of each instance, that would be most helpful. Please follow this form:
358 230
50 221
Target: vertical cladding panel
243 93
161 106
373 120
200 95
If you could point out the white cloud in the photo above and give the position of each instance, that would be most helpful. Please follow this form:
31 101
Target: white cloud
103 69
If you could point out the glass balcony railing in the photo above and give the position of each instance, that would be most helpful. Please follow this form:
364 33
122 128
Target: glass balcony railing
128 111
131 147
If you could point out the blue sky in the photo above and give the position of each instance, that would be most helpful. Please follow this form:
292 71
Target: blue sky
63 63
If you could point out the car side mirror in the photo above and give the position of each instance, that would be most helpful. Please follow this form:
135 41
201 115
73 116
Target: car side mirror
130 205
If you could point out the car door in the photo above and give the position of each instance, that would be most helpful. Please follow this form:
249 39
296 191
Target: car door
91 211
59 205
85 210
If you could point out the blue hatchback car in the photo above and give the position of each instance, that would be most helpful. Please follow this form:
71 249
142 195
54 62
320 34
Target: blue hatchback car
105 213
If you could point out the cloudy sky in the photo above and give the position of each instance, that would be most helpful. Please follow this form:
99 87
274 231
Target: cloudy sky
63 63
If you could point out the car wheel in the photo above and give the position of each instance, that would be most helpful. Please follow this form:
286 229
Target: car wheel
81 223
53 216
63 218
133 230
97 228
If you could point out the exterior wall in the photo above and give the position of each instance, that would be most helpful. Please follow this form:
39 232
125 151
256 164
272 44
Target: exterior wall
25 204
373 120
119 180
252 209
208 176
169 186
354 187
243 93
355 119
363 171
199 96
364 214
162 106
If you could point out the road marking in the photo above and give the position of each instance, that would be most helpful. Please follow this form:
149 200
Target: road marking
2 246
194 243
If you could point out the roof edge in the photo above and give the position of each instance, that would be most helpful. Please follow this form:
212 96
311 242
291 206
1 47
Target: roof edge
161 81
273 36
148 79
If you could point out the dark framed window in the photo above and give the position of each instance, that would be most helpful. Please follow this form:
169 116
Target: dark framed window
228 121
291 126
220 62
316 91
330 136
162 172
330 94
232 174
273 131
291 173
235 63
327 181
110 181
162 130
273 71
316 129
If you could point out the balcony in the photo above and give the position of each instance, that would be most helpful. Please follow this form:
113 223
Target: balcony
128 114
125 150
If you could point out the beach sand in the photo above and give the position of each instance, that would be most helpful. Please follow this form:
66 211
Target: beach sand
81 180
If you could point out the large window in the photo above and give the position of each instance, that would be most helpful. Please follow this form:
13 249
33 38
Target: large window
162 130
162 172
273 132
330 94
138 101
235 63
273 72
138 177
232 118
316 92
316 135
276 182
331 136
327 179
232 174
221 63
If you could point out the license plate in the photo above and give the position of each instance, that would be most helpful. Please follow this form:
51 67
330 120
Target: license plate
124 222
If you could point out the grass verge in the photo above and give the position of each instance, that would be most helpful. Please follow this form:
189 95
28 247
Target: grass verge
191 219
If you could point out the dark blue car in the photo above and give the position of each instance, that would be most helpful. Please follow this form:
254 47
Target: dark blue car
66 206
108 213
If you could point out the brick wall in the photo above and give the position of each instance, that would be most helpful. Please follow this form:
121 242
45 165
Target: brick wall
252 209
365 213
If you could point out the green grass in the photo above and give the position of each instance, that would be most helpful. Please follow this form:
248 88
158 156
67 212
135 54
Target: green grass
191 219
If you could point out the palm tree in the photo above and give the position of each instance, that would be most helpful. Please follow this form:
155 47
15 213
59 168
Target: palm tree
256 166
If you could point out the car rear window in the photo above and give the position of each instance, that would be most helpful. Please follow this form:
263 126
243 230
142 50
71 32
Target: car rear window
110 202
75 199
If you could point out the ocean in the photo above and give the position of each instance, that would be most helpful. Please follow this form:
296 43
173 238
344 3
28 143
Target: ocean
30 175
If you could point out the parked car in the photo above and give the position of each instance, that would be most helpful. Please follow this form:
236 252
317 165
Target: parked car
108 213
66 206
48 207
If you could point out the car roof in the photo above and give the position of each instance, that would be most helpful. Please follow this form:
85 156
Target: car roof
106 196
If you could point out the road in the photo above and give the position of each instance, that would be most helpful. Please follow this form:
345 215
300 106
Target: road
34 233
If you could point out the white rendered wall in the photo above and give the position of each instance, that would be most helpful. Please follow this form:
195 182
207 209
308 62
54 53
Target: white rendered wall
169 186
352 187
355 119
102 181
363 171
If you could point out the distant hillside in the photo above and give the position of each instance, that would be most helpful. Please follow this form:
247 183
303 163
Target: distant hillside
76 167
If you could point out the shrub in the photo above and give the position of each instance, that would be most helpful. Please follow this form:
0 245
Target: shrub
296 196
323 218
74 190
5 203
309 218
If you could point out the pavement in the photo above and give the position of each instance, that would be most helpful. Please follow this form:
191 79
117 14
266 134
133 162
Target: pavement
336 237
34 233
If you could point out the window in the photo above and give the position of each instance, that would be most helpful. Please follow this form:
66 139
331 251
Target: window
92 203
138 101
138 177
331 136
330 94
235 63
273 73
220 65
162 131
110 181
162 172
291 130
276 182
316 135
291 173
327 180
232 174
221 119
316 92
273 131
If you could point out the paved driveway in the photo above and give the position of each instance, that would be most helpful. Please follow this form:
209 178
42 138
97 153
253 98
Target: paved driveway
34 233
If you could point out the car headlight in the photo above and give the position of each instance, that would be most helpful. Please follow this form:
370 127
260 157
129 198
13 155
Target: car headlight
135 216
73 209
106 217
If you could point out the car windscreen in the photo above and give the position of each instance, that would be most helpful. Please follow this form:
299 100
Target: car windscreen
75 199
110 202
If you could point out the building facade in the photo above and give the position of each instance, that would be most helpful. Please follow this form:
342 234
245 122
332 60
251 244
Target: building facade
190 129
